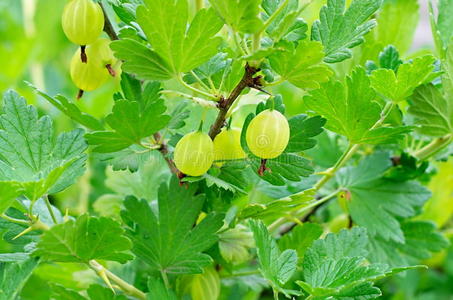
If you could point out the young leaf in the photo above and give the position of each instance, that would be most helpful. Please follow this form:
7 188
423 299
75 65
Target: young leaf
336 268
30 156
397 87
351 111
303 65
84 239
302 131
340 30
167 241
433 112
240 15
131 121
277 267
376 202
181 48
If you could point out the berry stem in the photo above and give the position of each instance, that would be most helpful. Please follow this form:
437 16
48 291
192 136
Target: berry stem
83 54
110 69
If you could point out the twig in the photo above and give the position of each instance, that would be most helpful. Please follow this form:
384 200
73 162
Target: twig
434 147
164 151
248 80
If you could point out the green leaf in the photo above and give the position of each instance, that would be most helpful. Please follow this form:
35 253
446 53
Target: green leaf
434 114
9 191
389 58
30 156
397 87
277 267
138 59
303 65
445 21
84 239
301 237
421 240
335 267
71 110
60 292
158 291
240 15
351 110
131 121
178 116
182 49
95 292
287 166
397 22
340 30
277 208
286 25
13 276
167 241
302 131
375 202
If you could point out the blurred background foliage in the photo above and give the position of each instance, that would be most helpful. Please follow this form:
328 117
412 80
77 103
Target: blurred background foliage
34 49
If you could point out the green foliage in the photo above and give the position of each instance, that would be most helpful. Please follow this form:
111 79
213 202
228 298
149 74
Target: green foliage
84 239
335 267
397 87
181 48
351 110
301 237
168 242
240 15
31 159
421 240
308 71
433 112
13 276
132 119
339 30
376 202
351 200
397 23
277 267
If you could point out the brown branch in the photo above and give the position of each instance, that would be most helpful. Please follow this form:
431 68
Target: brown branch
108 27
164 151
224 104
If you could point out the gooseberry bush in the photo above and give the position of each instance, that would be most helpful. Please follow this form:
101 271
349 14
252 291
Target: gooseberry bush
204 185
